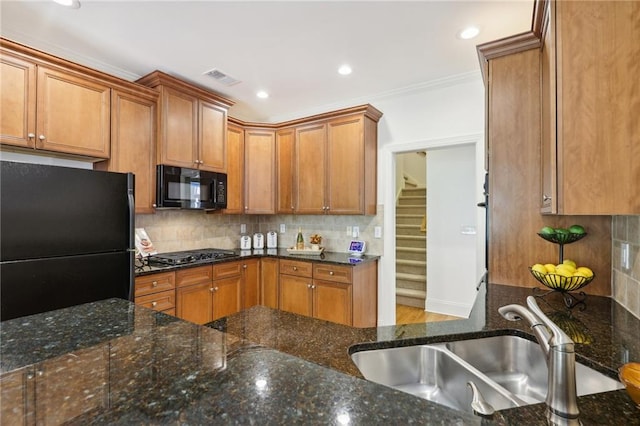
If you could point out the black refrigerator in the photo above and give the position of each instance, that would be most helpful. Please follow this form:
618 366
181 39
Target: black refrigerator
66 237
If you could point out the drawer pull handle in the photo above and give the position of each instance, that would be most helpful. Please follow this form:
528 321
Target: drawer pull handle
154 284
295 268
154 304
330 272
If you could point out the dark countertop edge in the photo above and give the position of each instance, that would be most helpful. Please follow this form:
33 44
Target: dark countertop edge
335 258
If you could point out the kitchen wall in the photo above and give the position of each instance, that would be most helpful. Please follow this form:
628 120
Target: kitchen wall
173 230
626 281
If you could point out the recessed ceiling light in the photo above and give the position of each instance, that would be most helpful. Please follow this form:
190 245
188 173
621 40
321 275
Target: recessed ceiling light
73 4
262 94
344 69
469 33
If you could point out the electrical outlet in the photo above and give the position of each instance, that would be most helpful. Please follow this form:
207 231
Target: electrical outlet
349 231
624 255
356 231
377 232
283 228
243 228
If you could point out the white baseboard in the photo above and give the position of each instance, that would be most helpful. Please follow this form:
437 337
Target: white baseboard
448 308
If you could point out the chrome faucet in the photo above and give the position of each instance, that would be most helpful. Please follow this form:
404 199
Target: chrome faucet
562 405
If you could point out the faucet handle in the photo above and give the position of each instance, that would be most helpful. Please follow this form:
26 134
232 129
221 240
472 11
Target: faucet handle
558 337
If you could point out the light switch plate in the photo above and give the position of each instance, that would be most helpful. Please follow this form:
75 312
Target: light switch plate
243 228
377 231
624 255
283 228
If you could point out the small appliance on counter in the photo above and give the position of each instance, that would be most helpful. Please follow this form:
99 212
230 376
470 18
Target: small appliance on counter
272 240
245 242
357 247
258 241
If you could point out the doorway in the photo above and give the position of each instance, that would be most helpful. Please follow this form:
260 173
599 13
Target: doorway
449 296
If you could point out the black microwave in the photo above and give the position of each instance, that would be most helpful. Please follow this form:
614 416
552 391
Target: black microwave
179 187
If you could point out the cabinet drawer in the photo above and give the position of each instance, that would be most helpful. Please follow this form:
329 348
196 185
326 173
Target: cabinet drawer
297 268
226 270
190 276
339 274
149 284
158 301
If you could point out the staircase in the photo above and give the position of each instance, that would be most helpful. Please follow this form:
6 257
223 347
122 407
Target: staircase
411 248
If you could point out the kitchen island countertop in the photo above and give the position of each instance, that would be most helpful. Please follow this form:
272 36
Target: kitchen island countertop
267 367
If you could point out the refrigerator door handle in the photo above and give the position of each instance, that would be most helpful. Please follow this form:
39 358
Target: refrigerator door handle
132 220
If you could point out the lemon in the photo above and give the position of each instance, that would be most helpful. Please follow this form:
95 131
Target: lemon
538 267
566 267
570 262
586 271
564 272
580 274
550 267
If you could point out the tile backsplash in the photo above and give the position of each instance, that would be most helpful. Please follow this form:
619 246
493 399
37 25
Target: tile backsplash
174 230
626 281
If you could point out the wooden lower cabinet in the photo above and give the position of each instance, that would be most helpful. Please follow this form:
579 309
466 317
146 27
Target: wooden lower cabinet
201 298
156 291
342 294
250 283
269 271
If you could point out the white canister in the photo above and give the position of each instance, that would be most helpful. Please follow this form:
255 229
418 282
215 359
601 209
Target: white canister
258 240
272 240
245 242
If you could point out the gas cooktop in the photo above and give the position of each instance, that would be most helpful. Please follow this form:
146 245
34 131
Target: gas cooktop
190 256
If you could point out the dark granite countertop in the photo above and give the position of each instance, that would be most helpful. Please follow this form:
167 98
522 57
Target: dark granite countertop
143 268
268 367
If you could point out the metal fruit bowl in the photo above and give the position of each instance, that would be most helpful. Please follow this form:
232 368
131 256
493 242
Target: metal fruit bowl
560 282
562 238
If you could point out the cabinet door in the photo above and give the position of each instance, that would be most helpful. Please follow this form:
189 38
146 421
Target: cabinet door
14 394
345 166
178 129
295 294
212 137
309 168
133 145
227 297
284 169
73 114
194 303
332 301
235 170
17 101
250 283
259 163
269 282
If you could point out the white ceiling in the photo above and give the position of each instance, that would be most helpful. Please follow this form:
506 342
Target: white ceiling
292 49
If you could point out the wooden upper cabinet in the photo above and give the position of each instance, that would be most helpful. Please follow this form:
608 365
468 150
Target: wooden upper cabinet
310 159
235 170
133 143
259 171
285 140
596 107
17 101
212 137
52 108
193 122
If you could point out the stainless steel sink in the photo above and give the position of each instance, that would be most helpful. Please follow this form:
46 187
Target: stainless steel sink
509 371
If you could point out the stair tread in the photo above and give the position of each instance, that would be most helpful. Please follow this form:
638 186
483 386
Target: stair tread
411 293
411 277
411 237
411 262
412 249
409 216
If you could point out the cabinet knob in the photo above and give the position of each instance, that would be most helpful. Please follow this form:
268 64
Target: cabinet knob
215 288
244 266
313 286
546 198
41 137
31 135
330 272
154 284
295 268
154 205
154 304
308 285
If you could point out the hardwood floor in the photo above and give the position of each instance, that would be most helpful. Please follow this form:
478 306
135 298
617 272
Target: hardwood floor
410 315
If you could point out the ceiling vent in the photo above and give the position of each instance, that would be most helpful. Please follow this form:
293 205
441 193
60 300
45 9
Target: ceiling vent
222 77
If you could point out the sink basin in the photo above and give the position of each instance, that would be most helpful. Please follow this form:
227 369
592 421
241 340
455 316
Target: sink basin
509 371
